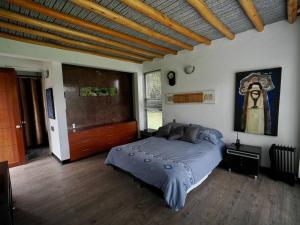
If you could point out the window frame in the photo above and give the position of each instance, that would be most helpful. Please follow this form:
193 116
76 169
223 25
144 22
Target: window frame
145 94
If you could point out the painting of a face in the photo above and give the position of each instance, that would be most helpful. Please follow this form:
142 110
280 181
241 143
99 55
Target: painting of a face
255 93
257 101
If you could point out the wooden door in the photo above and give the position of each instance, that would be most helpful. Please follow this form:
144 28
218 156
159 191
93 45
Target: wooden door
11 132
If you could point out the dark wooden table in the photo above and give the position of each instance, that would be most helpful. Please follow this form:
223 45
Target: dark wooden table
147 133
243 158
6 204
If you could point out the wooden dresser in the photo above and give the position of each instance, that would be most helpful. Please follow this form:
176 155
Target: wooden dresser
6 203
88 141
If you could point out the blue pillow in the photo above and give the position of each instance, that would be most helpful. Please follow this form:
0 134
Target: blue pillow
206 135
214 132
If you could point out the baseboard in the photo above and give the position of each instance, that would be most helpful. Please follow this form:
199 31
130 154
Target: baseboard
63 162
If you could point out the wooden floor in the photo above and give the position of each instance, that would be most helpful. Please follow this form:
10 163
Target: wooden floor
88 192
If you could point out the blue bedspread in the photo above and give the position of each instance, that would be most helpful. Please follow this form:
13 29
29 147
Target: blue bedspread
173 166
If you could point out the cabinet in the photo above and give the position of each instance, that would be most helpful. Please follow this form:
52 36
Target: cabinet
6 203
88 141
148 133
243 158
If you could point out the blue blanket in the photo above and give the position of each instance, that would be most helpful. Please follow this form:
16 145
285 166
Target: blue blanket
172 166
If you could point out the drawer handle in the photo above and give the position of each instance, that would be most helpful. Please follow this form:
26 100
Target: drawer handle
247 155
85 150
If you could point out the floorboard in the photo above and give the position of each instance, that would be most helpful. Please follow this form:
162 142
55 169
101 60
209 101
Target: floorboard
89 192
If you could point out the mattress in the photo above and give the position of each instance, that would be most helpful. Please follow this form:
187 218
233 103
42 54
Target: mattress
173 166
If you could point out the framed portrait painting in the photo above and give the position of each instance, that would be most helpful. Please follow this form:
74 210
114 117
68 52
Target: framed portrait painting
50 103
257 101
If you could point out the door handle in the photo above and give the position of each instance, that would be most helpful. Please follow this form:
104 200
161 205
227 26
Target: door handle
19 126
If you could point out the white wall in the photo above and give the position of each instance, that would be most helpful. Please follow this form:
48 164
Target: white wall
39 58
21 63
57 127
216 65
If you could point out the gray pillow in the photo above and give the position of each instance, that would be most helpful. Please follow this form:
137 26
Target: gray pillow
176 133
190 134
164 131
212 131
175 125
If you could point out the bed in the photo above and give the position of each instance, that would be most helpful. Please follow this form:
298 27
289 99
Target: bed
174 166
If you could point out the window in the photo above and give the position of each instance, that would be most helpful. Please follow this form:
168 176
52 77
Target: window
153 103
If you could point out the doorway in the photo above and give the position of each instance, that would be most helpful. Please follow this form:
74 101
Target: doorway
32 104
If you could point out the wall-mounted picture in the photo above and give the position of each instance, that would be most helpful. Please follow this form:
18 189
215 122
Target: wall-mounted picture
50 103
97 91
257 101
207 97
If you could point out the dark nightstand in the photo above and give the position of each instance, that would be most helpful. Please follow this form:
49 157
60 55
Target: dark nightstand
245 159
147 133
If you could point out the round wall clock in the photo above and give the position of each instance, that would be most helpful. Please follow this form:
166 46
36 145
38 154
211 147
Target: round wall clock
172 78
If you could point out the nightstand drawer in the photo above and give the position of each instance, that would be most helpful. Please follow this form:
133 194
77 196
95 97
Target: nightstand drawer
243 154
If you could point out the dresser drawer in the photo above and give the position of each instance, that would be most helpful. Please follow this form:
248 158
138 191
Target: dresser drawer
90 141
86 147
85 135
81 153
242 154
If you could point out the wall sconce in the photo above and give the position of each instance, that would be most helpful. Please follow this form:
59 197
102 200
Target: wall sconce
189 69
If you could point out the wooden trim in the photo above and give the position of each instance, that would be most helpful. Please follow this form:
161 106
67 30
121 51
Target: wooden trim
160 17
210 17
31 5
17 17
252 14
69 41
27 40
292 7
98 9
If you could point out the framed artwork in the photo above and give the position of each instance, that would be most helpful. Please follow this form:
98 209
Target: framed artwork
257 101
50 103
96 91
207 97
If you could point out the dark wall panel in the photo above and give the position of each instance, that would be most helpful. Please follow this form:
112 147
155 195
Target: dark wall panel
92 111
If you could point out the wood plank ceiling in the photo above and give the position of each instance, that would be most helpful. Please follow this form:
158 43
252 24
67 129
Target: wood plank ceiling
136 30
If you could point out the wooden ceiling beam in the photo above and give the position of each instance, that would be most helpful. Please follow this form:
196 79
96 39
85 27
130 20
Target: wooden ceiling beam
163 19
31 5
98 9
69 41
252 14
292 8
27 40
54 27
210 17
